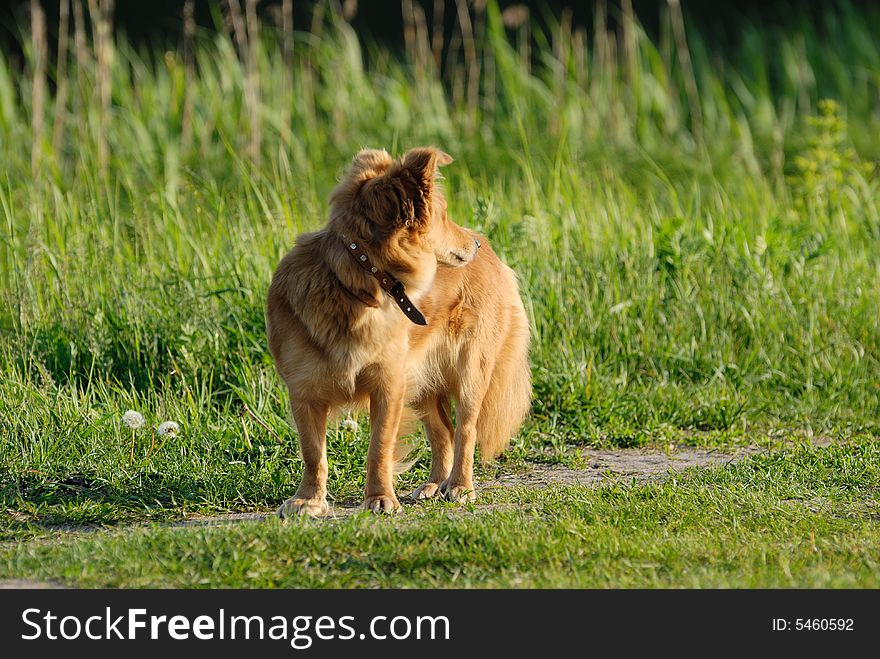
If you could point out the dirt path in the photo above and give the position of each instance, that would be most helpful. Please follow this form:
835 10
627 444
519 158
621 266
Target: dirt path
16 584
601 465
621 464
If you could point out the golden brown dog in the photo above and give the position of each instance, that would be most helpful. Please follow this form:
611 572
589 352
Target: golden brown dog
344 323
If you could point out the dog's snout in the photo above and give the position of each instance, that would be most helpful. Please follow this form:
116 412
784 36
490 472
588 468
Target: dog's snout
478 243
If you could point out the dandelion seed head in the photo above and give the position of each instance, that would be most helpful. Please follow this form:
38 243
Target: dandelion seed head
350 425
132 419
168 429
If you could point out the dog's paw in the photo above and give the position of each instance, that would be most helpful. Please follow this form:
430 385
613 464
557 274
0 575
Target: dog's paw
382 503
426 491
458 493
295 507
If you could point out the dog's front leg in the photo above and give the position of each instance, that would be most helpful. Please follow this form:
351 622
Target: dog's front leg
311 425
386 407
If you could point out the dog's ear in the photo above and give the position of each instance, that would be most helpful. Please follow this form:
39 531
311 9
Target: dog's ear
403 195
367 166
383 201
417 173
422 163
369 163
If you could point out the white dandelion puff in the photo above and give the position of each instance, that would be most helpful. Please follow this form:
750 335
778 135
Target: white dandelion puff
132 419
350 424
168 429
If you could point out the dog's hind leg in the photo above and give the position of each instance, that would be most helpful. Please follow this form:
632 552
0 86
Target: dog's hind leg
311 497
435 414
459 486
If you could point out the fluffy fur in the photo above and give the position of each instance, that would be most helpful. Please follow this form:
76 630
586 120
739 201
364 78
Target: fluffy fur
339 341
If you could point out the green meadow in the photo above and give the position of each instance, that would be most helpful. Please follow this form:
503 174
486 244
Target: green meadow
695 226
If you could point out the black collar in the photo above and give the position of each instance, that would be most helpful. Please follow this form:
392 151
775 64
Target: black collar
391 285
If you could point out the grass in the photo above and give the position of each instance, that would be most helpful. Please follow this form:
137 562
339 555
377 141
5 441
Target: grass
800 517
696 269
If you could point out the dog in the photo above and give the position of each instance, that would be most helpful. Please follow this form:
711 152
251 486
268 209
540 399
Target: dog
393 307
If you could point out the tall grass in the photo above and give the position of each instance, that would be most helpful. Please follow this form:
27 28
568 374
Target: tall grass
698 240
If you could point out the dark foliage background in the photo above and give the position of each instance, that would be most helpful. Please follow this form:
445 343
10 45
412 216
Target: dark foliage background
159 21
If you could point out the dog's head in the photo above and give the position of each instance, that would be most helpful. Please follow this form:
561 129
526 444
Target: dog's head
398 208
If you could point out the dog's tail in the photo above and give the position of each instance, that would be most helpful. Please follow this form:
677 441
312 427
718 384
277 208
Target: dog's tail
509 396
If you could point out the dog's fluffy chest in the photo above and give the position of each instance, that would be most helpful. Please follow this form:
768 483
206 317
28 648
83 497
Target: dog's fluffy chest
383 344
